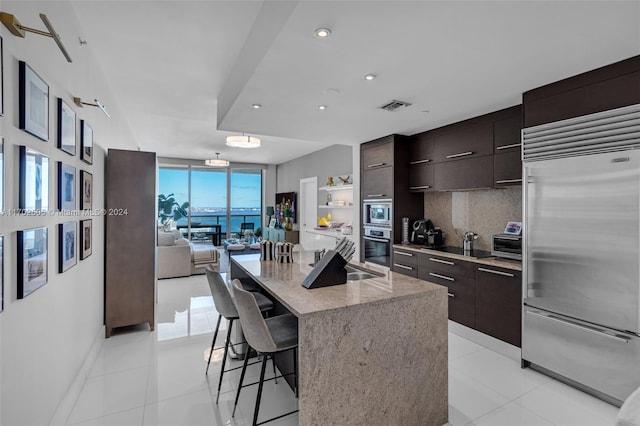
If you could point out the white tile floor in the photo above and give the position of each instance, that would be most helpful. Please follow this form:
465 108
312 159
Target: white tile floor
157 378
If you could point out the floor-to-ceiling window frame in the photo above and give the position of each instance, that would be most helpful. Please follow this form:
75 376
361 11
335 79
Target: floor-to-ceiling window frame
220 199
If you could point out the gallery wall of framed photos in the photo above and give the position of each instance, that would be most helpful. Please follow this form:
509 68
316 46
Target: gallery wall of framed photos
51 281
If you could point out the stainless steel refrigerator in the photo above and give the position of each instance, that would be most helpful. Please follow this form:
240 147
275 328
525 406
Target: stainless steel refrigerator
581 266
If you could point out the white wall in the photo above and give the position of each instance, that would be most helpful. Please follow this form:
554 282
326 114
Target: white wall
46 337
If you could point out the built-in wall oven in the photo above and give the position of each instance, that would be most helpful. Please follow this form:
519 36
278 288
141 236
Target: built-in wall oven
377 245
377 213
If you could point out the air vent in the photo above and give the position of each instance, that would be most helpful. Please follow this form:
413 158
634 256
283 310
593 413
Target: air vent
395 105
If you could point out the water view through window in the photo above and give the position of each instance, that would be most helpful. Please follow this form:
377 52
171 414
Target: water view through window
211 216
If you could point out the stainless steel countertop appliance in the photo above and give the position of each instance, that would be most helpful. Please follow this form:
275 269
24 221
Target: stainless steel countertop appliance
581 268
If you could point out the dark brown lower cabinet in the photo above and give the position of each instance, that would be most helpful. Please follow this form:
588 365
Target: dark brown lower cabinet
499 303
460 282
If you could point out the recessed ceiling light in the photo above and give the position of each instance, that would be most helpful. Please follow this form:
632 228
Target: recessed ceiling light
370 77
256 106
322 107
322 32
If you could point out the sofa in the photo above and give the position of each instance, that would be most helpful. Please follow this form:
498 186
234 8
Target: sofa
177 257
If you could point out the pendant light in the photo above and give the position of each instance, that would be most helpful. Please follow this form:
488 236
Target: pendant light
243 141
216 162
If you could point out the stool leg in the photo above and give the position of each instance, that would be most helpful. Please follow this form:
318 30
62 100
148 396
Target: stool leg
273 360
224 359
215 336
260 383
244 370
295 368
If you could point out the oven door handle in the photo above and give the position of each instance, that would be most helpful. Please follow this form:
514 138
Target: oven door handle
380 240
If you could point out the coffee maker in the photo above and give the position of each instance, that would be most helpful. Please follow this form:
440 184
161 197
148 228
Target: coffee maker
420 229
434 238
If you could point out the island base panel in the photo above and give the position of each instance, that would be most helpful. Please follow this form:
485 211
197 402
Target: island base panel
351 358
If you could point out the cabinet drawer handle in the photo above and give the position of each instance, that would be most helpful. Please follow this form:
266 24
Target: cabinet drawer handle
375 195
582 327
444 277
420 187
491 271
446 262
513 145
402 266
451 295
509 180
462 154
419 161
403 253
376 165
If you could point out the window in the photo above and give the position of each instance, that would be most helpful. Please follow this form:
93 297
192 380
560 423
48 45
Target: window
216 209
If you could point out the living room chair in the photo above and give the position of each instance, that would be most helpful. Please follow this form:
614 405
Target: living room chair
246 226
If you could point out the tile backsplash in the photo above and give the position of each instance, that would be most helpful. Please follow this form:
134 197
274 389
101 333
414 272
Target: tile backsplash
484 212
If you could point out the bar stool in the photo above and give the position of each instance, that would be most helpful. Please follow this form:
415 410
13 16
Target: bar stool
268 336
227 308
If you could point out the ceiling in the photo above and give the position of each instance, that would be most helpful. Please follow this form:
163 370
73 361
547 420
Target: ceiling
185 73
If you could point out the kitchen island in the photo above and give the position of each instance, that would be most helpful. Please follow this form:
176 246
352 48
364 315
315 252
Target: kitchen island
370 352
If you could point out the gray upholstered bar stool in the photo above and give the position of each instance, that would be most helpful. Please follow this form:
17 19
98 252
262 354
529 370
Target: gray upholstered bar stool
269 336
226 308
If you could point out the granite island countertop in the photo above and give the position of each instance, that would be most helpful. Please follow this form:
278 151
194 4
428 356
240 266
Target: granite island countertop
284 282
497 262
370 352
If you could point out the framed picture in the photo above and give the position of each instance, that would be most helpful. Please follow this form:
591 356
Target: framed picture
66 128
272 222
86 186
285 197
66 187
1 273
513 228
33 102
33 193
32 260
85 238
1 86
86 142
67 246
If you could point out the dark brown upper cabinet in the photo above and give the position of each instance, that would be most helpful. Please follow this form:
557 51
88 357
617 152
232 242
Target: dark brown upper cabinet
609 87
468 139
379 154
507 143
421 162
421 148
507 129
470 173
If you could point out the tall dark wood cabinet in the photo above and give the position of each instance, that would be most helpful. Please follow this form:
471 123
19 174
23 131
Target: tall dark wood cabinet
130 181
384 175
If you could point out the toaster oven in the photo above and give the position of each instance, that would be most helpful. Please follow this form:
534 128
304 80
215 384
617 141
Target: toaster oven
507 246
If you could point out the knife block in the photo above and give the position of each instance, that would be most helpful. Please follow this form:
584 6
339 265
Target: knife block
329 271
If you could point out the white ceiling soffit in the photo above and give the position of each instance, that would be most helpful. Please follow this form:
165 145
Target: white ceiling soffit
186 72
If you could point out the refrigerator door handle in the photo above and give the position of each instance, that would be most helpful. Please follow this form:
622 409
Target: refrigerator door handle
582 327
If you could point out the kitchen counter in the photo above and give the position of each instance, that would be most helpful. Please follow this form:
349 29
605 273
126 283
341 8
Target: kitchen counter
370 351
497 262
334 232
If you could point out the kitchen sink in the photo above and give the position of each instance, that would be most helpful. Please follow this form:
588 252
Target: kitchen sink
355 274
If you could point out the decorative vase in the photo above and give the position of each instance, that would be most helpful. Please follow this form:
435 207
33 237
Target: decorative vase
288 226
